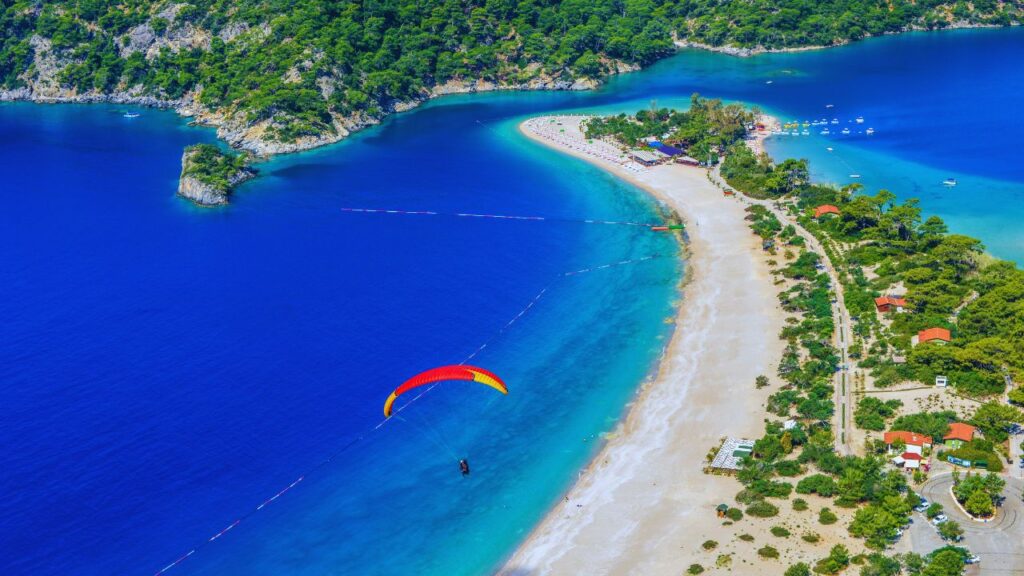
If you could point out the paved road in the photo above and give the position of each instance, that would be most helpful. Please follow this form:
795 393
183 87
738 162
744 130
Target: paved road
843 394
999 543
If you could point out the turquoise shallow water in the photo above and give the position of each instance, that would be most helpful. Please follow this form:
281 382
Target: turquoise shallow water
166 368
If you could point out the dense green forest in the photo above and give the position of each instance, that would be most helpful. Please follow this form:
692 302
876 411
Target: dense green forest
299 66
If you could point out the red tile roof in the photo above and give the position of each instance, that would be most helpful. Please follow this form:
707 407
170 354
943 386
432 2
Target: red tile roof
890 301
910 438
960 431
911 456
825 209
933 334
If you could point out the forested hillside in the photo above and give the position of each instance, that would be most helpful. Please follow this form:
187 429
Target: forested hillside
284 71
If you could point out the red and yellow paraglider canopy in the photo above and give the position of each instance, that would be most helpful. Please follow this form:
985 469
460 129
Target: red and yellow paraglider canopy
440 374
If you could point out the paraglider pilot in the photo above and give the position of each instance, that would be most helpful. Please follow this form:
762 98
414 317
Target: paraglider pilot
464 467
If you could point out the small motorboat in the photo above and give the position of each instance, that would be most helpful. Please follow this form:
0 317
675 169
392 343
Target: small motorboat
949 182
824 132
870 131
130 115
829 148
805 132
835 121
854 175
829 105
860 120
846 130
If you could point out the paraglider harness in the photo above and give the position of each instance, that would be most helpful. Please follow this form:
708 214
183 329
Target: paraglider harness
464 467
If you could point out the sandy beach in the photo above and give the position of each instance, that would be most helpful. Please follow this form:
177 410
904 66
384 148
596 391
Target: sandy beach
644 504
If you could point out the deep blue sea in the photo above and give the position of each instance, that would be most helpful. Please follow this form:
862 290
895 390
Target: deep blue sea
165 368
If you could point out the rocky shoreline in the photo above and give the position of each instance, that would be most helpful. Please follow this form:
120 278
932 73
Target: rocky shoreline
748 52
242 135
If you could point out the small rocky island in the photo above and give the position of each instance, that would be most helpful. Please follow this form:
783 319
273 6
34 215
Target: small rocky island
209 174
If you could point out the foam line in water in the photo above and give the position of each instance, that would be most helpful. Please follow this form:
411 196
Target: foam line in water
497 217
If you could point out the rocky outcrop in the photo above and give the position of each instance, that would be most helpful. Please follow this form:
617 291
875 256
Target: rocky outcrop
203 192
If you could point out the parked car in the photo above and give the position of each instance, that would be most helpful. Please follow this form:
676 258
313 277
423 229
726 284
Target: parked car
972 559
939 519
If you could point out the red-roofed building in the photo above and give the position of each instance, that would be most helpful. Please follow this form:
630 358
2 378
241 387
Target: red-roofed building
910 460
937 335
959 434
888 303
825 209
913 441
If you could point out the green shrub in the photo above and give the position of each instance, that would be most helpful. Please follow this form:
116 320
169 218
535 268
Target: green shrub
799 504
819 484
827 517
788 468
798 569
811 537
734 514
762 509
746 537
768 552
695 569
780 532
709 545
837 560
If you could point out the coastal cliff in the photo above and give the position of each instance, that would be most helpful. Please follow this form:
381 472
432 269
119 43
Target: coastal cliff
208 175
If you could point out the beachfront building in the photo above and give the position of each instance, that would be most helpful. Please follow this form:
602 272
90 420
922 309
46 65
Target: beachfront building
730 456
886 304
688 160
913 442
936 335
645 157
959 434
826 209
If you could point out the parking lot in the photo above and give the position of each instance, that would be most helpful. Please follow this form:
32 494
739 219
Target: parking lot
999 543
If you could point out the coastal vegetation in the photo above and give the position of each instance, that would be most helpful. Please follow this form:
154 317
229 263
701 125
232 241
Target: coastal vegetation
883 247
308 68
209 174
213 166
704 129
